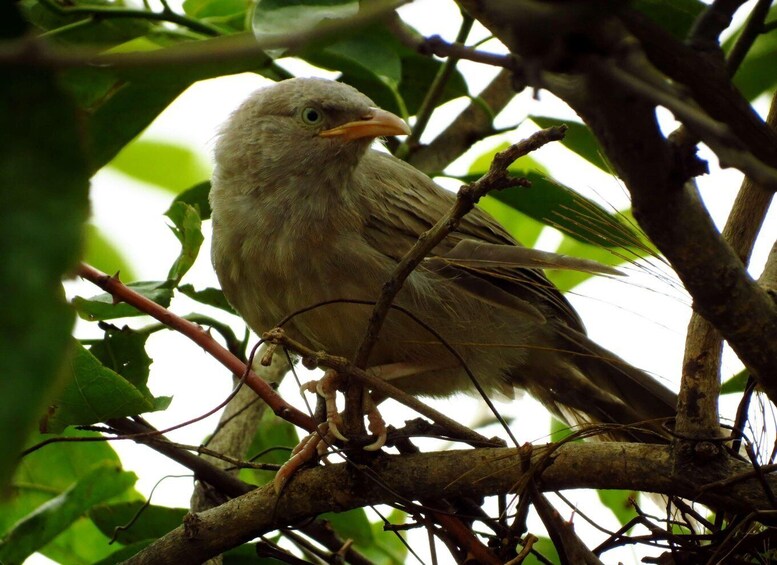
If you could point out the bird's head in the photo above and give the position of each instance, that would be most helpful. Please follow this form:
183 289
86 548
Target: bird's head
300 129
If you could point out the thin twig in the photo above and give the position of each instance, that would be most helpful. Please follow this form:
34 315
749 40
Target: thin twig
341 365
240 47
497 178
106 12
434 93
753 28
711 23
117 289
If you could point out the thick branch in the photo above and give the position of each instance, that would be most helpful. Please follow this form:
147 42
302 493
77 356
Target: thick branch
697 414
474 473
469 127
670 212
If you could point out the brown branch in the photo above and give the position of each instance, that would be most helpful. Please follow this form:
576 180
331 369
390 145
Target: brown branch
225 483
488 472
119 291
240 47
711 23
341 365
697 409
670 211
469 127
497 178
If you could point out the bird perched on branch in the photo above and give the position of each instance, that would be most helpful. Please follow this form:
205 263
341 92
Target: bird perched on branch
305 213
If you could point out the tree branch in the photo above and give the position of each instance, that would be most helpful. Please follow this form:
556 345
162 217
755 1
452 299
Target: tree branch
697 414
670 211
117 289
487 472
469 127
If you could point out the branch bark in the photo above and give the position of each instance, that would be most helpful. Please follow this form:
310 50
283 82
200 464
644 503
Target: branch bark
668 209
486 472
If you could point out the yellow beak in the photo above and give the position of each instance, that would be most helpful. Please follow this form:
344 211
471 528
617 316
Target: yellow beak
375 124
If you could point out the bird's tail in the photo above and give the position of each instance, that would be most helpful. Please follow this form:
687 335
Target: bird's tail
590 385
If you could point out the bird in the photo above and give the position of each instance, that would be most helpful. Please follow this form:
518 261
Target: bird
309 215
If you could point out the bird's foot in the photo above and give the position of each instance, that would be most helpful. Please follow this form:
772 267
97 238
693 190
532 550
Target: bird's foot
327 388
313 445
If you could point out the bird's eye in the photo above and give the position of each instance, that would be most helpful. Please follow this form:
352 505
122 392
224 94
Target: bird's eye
312 116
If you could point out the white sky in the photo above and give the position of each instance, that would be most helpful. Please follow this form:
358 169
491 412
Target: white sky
641 318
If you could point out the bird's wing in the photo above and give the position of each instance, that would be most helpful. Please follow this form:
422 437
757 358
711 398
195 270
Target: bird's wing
406 203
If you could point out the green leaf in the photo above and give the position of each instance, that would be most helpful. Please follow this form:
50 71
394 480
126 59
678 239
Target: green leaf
548 551
43 209
273 17
756 75
352 524
187 227
388 547
124 352
137 522
102 306
161 163
94 394
218 9
556 205
139 96
372 60
619 501
50 470
197 196
578 138
43 524
102 32
519 225
567 279
210 296
80 544
736 384
103 255
123 554
274 439
418 72
559 431
675 16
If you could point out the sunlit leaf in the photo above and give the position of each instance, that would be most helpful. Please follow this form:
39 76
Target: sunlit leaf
523 228
736 384
352 524
41 526
137 521
756 75
559 206
273 17
274 440
104 307
544 547
210 296
161 163
619 501
577 138
197 196
94 393
187 227
104 255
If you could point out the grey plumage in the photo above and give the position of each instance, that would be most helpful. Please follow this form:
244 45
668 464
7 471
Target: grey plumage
300 218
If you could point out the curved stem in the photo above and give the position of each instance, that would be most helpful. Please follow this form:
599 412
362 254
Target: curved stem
166 15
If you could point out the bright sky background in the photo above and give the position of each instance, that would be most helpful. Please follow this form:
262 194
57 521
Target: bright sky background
641 317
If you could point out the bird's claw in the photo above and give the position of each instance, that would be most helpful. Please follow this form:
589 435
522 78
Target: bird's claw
326 388
312 445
